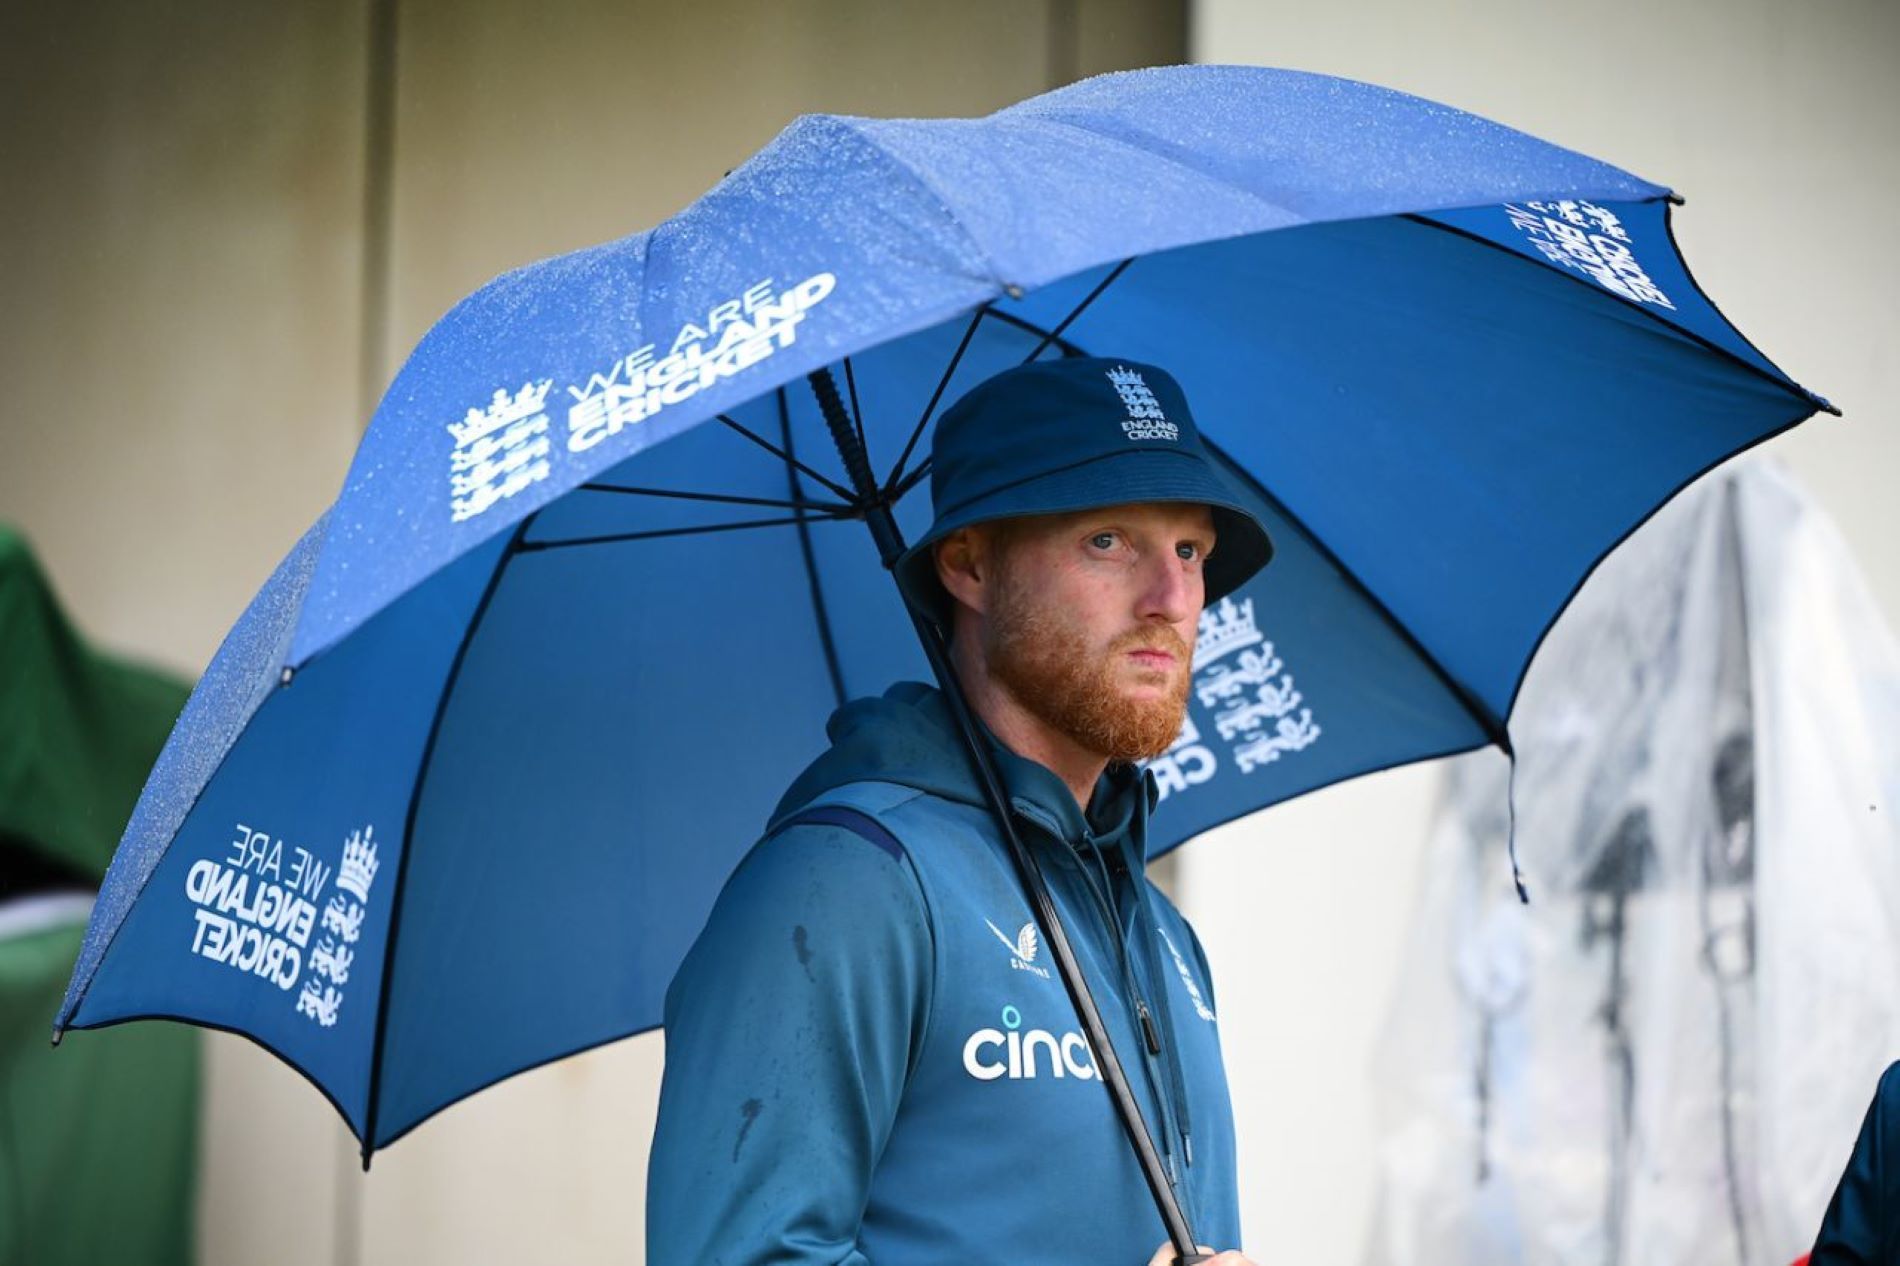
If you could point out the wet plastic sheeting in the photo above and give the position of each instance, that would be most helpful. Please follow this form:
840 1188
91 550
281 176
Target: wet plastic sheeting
1665 1058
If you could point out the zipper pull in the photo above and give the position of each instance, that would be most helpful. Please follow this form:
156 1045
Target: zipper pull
1148 1027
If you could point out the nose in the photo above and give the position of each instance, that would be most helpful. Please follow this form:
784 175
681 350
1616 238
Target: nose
1170 589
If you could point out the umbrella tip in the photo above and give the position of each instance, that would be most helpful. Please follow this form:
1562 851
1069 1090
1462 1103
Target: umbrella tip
59 1032
1674 199
288 673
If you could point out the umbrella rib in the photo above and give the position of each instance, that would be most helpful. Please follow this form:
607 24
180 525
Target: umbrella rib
899 483
857 418
911 480
782 455
1010 318
372 1107
1080 308
532 547
721 498
910 445
825 642
1784 382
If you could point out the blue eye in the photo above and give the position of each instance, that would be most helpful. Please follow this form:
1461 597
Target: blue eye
1103 540
1188 550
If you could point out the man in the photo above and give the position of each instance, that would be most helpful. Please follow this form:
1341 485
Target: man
1862 1225
869 1056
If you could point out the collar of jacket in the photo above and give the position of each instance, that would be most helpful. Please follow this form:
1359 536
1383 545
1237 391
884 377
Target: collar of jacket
1116 817
907 736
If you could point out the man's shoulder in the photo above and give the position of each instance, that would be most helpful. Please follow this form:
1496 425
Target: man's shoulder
840 857
1168 914
914 817
937 847
869 798
848 906
864 832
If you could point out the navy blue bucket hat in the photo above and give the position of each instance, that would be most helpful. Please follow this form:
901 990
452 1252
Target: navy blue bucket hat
1056 436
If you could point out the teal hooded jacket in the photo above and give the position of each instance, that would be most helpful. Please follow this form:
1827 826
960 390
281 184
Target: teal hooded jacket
870 1058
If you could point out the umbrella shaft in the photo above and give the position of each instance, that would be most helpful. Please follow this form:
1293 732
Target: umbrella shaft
857 465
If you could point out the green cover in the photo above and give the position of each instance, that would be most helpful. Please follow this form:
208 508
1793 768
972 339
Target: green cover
79 730
98 1139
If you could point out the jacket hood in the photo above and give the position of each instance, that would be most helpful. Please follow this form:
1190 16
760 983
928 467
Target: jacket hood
908 736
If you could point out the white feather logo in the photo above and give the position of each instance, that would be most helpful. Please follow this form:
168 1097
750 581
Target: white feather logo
1024 946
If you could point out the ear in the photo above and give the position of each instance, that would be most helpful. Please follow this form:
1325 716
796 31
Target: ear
963 567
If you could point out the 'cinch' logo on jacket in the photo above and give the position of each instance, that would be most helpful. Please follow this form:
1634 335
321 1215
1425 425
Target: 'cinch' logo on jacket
1008 1052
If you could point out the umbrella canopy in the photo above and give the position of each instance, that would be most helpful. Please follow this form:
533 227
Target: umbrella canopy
458 790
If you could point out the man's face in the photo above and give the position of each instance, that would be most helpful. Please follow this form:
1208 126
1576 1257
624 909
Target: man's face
1090 620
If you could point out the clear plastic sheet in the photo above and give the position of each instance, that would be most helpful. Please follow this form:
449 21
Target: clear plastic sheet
1665 1058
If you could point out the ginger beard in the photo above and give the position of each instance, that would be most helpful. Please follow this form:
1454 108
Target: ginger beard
1044 659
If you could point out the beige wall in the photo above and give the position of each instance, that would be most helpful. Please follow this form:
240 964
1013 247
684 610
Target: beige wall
183 300
1777 123
179 247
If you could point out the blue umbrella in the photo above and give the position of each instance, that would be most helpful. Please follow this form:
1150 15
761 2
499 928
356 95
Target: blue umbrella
459 788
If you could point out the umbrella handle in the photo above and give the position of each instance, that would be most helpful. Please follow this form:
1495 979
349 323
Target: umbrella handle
890 546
